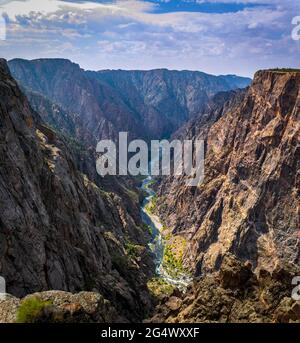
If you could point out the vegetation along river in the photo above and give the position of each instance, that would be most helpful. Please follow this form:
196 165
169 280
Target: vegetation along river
157 244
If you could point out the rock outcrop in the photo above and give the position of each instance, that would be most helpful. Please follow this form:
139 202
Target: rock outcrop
59 307
235 295
249 202
68 127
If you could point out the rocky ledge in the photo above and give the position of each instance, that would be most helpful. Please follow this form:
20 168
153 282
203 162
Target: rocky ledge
235 295
58 307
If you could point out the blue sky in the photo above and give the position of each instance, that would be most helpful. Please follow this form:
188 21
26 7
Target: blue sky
204 7
219 37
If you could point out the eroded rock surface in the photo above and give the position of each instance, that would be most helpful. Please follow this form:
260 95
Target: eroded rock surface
235 295
58 229
147 104
249 202
63 307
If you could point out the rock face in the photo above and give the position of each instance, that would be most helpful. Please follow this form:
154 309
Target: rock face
62 121
63 307
249 202
147 104
63 229
69 127
235 295
58 229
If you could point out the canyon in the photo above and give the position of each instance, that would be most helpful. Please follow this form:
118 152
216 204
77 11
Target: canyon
81 244
147 104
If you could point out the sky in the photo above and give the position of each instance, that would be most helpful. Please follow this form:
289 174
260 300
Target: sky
218 37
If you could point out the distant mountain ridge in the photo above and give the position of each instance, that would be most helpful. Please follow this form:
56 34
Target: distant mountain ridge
148 104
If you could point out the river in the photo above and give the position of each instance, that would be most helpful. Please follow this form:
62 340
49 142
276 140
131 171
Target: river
157 243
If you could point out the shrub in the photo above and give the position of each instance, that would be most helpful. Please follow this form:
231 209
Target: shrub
148 228
31 310
151 207
173 256
132 250
159 288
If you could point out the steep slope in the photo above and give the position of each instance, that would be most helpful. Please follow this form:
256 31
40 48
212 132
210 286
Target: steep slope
147 104
249 202
59 230
69 127
198 127
235 295
164 99
67 123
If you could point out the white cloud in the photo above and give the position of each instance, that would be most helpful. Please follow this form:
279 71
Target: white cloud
25 7
125 34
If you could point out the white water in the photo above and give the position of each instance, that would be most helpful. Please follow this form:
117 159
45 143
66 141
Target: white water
157 243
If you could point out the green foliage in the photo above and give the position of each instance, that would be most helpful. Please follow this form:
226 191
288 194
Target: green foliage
151 207
171 263
166 233
31 310
72 142
151 183
160 288
132 250
124 262
173 256
148 228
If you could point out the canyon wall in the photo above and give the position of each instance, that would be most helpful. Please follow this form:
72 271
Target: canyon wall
248 204
148 104
59 230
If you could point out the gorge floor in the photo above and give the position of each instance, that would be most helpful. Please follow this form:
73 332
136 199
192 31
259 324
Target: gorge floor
157 245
